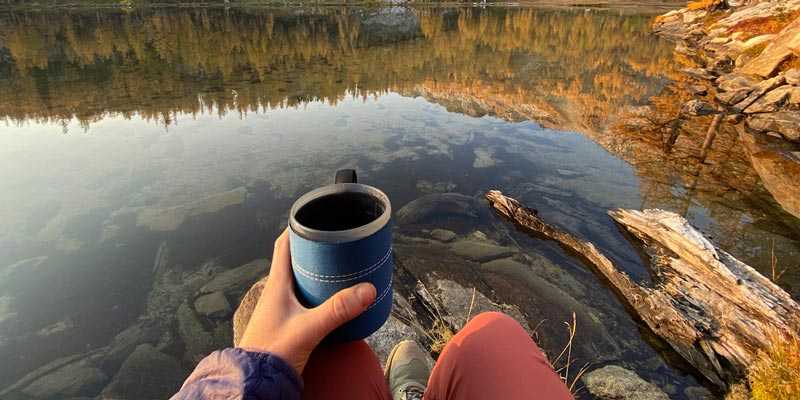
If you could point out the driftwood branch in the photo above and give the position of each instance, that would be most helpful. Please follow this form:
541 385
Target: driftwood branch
714 310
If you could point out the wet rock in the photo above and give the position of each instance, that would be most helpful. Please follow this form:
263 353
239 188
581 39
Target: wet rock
169 219
792 76
697 108
480 251
245 309
758 91
237 279
146 374
76 379
439 205
698 393
443 235
773 100
213 305
617 383
199 343
787 123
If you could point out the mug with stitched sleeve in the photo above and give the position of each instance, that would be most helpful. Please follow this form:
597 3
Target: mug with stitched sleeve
341 235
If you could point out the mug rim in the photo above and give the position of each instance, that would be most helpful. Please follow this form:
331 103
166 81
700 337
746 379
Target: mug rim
347 235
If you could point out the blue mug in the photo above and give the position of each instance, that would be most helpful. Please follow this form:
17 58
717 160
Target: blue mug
341 235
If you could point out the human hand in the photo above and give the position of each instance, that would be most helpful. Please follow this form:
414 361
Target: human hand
282 326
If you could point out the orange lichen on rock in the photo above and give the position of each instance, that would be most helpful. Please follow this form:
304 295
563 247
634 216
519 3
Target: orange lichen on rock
765 25
703 5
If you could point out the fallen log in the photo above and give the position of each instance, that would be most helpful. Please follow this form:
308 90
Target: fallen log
714 310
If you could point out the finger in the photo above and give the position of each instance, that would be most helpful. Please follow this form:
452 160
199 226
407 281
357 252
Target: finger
281 269
341 307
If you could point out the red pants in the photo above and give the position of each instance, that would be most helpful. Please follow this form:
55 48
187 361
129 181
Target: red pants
491 358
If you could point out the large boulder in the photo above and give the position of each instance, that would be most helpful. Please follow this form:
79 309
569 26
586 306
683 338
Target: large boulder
146 374
617 383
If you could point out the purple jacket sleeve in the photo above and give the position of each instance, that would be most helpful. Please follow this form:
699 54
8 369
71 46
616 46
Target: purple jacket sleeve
242 375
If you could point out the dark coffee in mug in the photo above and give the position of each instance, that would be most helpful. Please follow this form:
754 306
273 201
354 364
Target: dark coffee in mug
340 211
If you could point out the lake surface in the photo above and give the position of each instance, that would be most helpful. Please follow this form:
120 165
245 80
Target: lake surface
130 133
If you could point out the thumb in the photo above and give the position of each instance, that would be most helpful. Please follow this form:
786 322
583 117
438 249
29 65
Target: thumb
342 307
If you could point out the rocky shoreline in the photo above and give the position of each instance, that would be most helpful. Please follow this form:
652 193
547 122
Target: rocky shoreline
741 61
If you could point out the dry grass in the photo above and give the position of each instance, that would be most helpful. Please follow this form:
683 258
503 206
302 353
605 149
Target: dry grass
776 275
566 356
775 375
738 391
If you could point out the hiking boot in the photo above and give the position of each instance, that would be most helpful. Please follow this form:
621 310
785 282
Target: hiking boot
407 371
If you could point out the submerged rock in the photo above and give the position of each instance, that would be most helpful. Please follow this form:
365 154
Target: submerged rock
443 235
237 279
76 379
213 305
439 205
169 219
617 383
480 251
199 342
146 374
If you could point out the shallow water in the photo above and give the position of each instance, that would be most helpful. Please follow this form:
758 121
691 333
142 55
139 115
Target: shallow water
195 129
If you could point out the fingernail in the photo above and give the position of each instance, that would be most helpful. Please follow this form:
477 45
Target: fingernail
365 293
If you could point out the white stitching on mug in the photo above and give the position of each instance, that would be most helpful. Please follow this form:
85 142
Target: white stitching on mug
341 278
385 292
